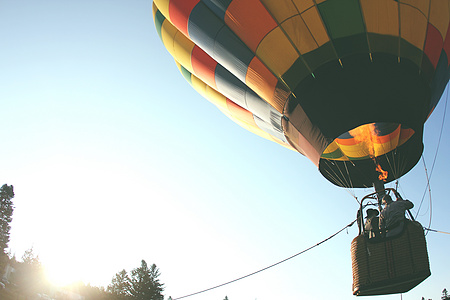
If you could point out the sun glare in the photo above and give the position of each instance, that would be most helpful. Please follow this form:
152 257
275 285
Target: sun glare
61 275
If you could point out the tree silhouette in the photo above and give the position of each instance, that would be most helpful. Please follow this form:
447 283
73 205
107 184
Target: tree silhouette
29 275
445 295
120 286
142 284
145 284
92 292
6 211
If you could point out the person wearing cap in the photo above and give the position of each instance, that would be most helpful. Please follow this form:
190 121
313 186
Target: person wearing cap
392 217
371 226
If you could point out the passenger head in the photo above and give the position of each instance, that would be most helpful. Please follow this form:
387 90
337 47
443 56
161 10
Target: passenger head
371 213
386 199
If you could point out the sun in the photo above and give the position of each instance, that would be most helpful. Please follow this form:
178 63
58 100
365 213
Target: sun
61 274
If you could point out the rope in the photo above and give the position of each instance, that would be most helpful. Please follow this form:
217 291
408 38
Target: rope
336 178
273 265
438 231
434 160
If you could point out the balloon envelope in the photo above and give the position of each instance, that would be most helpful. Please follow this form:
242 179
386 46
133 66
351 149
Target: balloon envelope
347 83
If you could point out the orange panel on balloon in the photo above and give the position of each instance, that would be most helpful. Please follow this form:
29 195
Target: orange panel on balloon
263 82
250 20
240 112
204 66
179 11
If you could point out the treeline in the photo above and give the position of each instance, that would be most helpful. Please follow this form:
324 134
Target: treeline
142 283
26 280
445 296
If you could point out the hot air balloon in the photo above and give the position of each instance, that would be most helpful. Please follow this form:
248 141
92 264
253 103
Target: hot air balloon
347 83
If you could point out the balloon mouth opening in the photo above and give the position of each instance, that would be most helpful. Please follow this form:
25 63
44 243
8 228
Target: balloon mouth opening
369 153
367 141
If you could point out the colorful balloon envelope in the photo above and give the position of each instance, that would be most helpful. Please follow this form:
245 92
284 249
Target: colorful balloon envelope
347 83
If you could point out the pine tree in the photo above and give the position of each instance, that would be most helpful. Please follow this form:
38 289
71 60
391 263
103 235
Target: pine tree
120 285
29 275
6 211
145 284
445 295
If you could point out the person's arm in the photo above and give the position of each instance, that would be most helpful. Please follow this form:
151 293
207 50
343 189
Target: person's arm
408 204
381 223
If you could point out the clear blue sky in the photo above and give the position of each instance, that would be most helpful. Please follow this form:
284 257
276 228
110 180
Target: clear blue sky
115 158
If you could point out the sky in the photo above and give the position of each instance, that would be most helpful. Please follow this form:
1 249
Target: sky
114 158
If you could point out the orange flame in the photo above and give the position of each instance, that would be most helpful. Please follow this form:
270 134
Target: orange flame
366 136
383 174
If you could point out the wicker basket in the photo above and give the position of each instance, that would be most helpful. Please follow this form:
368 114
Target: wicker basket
390 266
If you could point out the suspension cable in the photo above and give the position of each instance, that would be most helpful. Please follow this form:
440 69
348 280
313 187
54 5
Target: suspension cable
427 188
434 230
348 190
273 265
424 193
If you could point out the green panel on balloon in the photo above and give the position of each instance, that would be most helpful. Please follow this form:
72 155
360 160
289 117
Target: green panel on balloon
342 18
